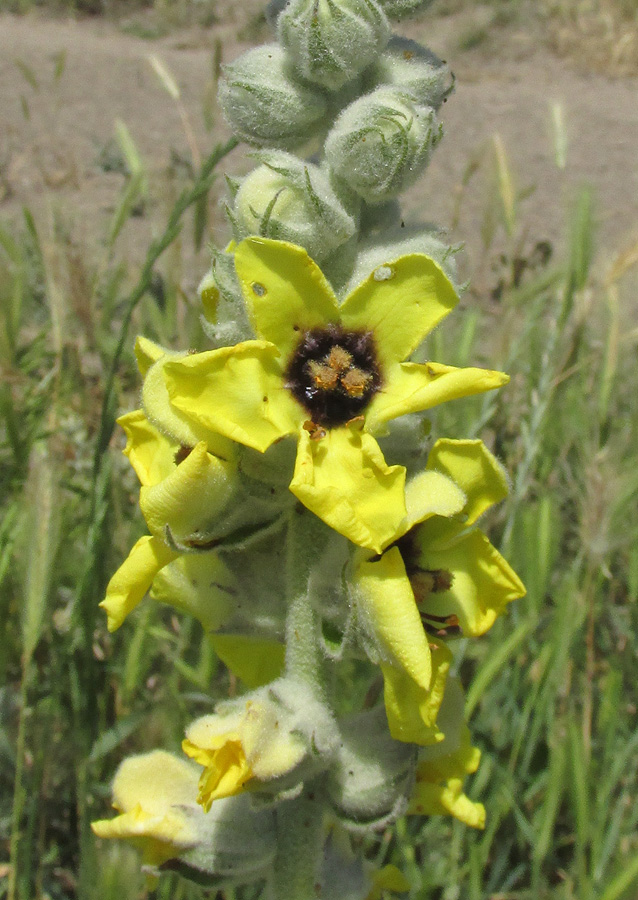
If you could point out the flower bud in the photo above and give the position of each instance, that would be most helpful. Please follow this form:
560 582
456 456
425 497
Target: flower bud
383 248
332 41
224 319
264 104
373 774
413 69
400 9
269 741
292 200
155 794
381 143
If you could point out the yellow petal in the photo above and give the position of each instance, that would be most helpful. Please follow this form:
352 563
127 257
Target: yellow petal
236 391
271 749
215 742
388 613
411 709
401 303
150 453
211 732
476 471
483 583
133 579
428 494
411 387
158 838
200 585
454 757
285 291
255 660
191 497
152 791
146 353
446 799
343 478
170 421
154 781
226 771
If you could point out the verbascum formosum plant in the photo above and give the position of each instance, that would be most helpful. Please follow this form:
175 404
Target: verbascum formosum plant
277 515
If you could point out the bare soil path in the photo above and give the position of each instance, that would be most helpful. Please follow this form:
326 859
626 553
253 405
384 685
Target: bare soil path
55 137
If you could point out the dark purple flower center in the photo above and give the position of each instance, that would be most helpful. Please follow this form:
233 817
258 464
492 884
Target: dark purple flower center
334 374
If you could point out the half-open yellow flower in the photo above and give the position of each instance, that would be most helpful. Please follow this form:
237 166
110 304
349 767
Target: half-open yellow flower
330 374
440 577
270 740
153 793
237 749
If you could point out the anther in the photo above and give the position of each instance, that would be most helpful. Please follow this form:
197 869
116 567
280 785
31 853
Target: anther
355 382
324 376
339 359
315 431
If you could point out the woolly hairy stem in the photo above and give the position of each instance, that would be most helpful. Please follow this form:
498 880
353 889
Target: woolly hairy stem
303 654
299 841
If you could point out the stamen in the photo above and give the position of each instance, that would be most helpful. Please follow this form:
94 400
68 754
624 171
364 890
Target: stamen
450 625
324 376
315 431
339 359
355 382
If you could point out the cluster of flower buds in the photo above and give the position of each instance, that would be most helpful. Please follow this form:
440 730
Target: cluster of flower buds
363 102
275 518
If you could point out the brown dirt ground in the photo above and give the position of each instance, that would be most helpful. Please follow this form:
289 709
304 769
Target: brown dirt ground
49 160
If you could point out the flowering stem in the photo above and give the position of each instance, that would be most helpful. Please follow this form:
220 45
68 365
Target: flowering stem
303 654
299 840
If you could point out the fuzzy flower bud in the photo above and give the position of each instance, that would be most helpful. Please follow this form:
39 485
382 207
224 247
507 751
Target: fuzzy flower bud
373 774
381 143
400 9
332 41
289 199
269 741
383 248
413 69
264 105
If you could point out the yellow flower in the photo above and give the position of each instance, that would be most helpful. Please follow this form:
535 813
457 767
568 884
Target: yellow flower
440 577
332 375
182 490
442 768
270 739
155 796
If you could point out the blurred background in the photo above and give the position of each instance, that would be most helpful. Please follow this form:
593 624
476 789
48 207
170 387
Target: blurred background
108 204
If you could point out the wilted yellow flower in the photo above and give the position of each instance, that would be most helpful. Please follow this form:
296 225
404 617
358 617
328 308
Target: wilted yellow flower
330 374
442 769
